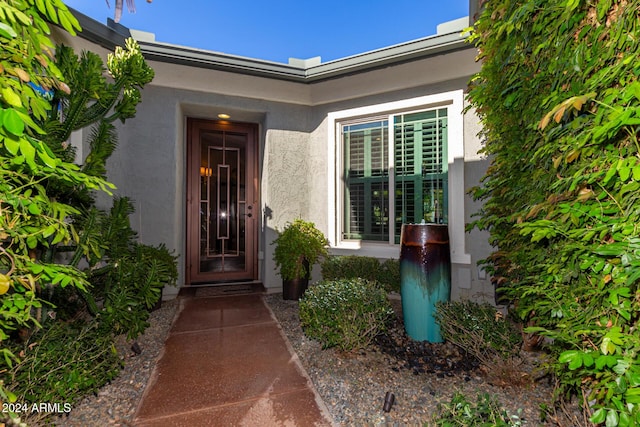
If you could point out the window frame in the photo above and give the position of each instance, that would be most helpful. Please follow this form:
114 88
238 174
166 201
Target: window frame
453 101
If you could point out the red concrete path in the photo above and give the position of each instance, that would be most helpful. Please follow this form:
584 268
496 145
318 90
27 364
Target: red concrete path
227 363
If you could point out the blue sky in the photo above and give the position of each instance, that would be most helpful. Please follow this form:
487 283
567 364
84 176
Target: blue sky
276 30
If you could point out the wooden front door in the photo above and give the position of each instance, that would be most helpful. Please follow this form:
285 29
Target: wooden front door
221 202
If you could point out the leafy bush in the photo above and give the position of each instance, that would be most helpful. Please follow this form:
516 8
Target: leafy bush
63 364
479 329
30 220
559 100
345 313
485 412
299 245
386 273
47 206
132 286
483 333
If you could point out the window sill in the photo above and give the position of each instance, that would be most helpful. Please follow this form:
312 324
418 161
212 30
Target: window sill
384 251
376 250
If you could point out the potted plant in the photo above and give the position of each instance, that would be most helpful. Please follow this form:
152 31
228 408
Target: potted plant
298 248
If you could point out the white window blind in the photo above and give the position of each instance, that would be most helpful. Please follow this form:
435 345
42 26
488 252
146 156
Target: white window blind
419 168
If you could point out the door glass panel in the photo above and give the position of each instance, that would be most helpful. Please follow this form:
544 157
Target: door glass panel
222 203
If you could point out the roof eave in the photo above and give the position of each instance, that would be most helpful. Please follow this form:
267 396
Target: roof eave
393 55
112 35
219 61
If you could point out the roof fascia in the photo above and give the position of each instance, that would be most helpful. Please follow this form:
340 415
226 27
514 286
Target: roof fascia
393 55
100 34
112 35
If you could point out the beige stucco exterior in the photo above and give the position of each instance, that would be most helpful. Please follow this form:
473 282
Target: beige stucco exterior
293 107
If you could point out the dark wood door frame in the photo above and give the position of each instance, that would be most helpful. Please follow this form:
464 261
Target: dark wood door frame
247 214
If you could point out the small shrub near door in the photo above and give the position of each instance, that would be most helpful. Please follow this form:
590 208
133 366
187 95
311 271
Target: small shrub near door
345 313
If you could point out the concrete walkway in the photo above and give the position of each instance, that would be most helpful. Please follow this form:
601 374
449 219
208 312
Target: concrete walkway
227 363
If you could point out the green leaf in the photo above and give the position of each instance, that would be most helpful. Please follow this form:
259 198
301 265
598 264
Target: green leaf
12 122
621 385
612 418
7 31
607 347
613 249
621 367
11 145
32 242
34 209
587 360
66 24
568 356
11 98
599 416
19 301
632 395
48 231
586 263
58 238
634 379
41 7
29 152
605 360
48 160
36 268
575 363
51 12
625 420
624 173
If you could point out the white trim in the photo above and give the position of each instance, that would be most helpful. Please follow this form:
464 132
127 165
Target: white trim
454 102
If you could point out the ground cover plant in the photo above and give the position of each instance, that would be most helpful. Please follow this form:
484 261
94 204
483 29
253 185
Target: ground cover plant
559 100
486 411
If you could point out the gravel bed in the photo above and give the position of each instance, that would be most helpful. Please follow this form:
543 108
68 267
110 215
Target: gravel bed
421 376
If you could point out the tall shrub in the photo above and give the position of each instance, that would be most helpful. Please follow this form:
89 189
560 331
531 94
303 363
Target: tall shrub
29 217
559 99
46 206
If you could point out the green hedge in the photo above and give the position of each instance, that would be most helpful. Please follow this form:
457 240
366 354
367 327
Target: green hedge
559 100
386 273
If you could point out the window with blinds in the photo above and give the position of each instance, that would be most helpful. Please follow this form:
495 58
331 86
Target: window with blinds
366 160
415 166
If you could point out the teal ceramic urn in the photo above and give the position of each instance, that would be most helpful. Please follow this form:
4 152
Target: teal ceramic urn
425 278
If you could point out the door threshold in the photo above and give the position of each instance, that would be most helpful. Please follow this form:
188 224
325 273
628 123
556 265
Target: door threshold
222 289
224 283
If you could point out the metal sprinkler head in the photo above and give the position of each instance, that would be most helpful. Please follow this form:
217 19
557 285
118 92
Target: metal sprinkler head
389 398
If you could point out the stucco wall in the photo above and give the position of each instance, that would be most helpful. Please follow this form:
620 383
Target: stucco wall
478 287
285 187
149 164
149 167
